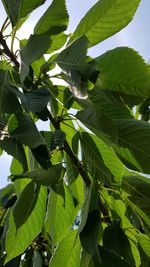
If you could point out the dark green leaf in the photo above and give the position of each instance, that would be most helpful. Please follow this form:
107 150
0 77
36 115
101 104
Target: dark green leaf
25 204
115 241
19 8
5 194
38 100
44 177
138 189
71 171
15 149
111 260
74 56
89 236
23 129
36 46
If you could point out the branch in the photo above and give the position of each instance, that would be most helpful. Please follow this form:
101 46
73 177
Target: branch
79 167
7 52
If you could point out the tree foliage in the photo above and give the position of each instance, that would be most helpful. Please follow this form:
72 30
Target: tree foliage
78 192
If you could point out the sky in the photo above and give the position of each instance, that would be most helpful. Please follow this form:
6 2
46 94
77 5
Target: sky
135 35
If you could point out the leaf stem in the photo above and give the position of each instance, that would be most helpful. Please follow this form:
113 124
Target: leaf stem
79 166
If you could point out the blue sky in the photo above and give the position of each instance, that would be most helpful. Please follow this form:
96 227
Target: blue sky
135 35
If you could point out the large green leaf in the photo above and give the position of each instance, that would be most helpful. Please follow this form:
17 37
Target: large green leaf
23 129
54 20
98 122
5 194
68 252
74 56
20 8
35 101
89 236
86 260
36 46
8 101
102 156
133 143
18 240
106 18
109 104
138 189
48 177
60 216
71 171
57 41
25 204
115 240
111 260
127 73
15 149
91 155
144 242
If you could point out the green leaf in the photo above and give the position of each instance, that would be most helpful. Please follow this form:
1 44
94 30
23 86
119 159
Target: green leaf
38 100
5 194
8 101
71 171
25 204
19 9
18 241
106 18
109 104
89 204
98 122
115 241
36 47
73 57
127 73
86 260
144 242
138 189
37 259
68 252
93 159
133 143
44 177
23 129
15 149
90 234
111 260
60 216
57 41
54 20
103 157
